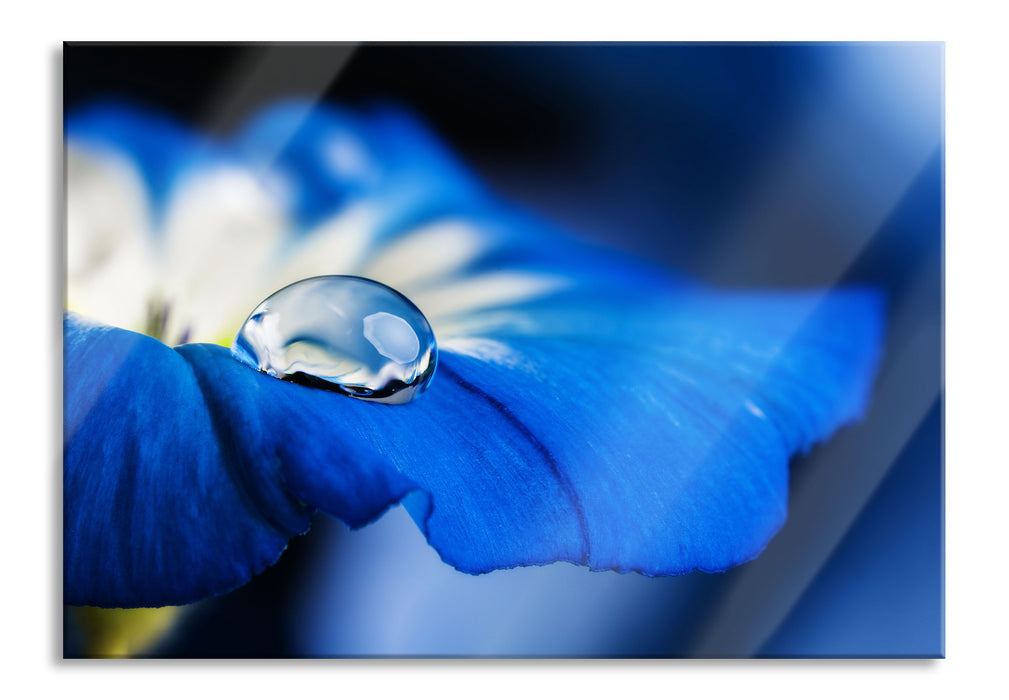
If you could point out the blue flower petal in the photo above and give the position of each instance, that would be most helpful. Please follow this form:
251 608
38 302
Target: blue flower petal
581 448
331 157
162 502
457 448
301 436
672 436
660 454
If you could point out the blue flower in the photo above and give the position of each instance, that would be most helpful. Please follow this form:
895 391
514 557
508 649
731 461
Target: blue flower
587 407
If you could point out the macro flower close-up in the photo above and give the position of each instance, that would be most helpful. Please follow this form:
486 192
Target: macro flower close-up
528 396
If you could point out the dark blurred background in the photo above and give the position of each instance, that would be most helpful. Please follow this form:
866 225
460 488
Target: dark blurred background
745 165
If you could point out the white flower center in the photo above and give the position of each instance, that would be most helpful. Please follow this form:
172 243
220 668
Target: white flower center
223 243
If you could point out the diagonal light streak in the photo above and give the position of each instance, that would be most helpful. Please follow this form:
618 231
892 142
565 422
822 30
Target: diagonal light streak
272 71
837 483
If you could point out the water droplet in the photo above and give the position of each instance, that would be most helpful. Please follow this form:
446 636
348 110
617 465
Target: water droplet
346 334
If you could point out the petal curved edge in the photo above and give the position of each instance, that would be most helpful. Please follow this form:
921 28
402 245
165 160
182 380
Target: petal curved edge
155 512
457 454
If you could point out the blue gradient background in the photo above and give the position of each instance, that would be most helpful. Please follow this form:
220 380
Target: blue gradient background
751 166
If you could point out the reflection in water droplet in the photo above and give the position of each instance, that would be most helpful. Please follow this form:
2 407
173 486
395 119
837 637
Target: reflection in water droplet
346 334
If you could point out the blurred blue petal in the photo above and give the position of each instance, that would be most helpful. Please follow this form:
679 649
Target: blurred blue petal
330 157
620 420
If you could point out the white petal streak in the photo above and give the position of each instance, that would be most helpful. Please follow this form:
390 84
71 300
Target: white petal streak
486 349
221 233
432 251
486 291
335 247
109 254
